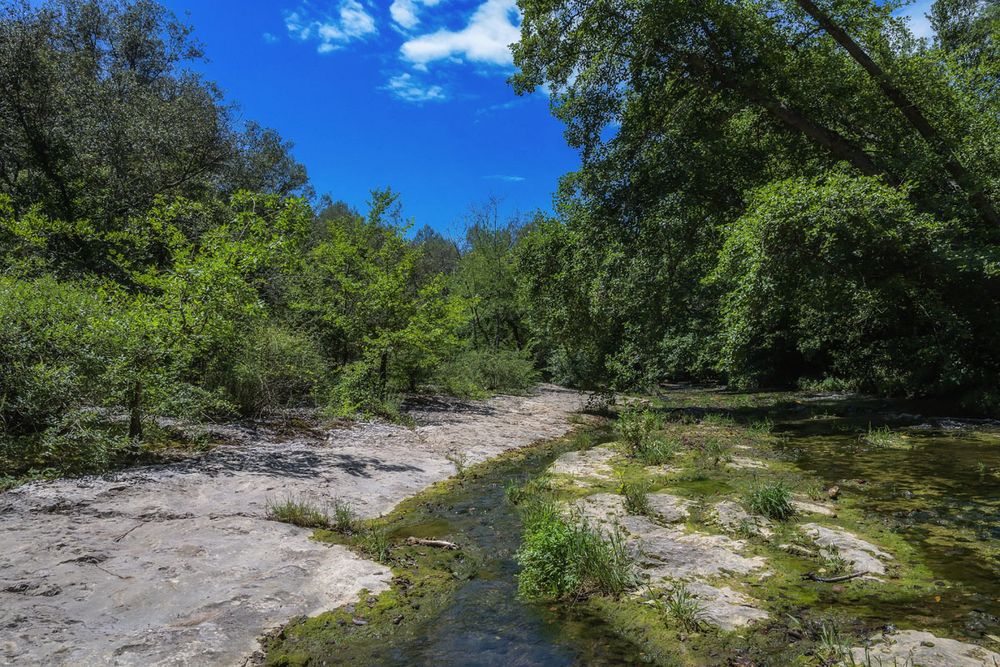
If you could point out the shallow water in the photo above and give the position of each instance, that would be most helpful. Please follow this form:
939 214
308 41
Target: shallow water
938 489
485 623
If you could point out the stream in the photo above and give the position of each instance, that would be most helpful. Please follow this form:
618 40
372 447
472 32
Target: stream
484 622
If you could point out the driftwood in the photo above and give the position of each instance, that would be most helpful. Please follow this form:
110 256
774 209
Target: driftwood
812 576
437 544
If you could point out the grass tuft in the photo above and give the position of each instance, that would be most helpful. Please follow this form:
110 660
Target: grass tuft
770 499
298 512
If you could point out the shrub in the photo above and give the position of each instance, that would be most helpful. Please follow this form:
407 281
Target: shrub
635 427
636 497
359 391
842 277
564 558
51 352
474 372
770 499
657 451
276 368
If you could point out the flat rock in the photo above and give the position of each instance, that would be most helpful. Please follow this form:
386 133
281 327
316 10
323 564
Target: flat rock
731 517
922 649
725 608
592 462
672 553
863 556
178 565
744 463
809 507
668 553
669 508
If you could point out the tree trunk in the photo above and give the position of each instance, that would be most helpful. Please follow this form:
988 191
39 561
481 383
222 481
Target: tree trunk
383 373
938 143
830 139
135 412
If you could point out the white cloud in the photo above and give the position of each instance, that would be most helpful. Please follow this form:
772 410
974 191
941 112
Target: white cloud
504 177
349 22
486 39
406 13
269 38
407 88
916 15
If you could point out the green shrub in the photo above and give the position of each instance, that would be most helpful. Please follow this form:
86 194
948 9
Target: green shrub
635 427
359 391
51 352
475 372
770 499
277 368
564 558
636 495
842 277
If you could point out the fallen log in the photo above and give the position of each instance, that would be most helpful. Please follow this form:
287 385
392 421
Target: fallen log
437 544
812 576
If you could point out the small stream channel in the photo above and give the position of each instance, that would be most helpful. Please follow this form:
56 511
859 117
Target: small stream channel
484 622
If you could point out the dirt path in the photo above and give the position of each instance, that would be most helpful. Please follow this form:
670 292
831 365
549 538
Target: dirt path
175 565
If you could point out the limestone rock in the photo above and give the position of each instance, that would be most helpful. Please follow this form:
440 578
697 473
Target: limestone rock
731 517
592 462
922 649
863 556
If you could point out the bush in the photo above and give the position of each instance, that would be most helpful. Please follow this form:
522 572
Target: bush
277 368
635 428
564 558
475 372
636 497
359 391
51 352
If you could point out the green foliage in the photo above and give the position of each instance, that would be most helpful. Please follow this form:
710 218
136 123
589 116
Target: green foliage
564 558
473 372
636 495
276 368
636 426
770 499
359 391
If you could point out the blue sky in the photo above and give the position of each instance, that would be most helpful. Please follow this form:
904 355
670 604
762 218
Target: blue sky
404 93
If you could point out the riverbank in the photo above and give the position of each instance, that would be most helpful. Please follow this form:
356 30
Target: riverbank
173 564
